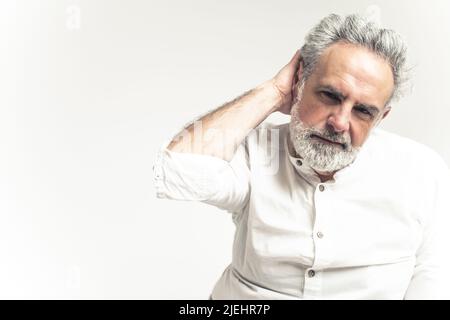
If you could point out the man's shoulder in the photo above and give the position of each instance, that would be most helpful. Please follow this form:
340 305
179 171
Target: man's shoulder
383 139
269 135
405 151
268 125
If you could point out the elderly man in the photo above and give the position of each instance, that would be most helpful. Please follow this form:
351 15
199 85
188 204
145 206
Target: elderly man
327 206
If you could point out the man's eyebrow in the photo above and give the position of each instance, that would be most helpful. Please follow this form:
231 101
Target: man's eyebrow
334 91
373 109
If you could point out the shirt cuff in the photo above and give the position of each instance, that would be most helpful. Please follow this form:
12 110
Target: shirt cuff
186 176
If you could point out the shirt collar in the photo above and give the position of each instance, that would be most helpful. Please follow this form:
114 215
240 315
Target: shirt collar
308 174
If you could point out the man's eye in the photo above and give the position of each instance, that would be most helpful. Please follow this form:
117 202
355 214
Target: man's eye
330 96
364 111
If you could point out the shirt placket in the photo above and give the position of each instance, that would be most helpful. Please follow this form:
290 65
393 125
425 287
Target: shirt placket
314 276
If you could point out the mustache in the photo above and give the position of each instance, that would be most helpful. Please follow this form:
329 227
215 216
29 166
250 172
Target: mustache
328 133
332 136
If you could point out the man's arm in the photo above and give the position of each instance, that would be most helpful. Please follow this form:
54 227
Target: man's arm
221 131
203 162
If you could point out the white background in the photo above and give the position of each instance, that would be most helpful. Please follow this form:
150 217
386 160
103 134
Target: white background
91 88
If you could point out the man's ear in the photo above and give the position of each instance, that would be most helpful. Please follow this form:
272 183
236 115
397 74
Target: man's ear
297 79
298 74
386 111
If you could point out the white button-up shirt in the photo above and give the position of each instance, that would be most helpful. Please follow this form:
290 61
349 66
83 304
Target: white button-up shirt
377 230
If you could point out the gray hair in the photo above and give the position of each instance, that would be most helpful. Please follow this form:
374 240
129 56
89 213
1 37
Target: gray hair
358 30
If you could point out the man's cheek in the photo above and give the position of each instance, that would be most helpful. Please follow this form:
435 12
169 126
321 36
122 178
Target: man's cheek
358 139
314 115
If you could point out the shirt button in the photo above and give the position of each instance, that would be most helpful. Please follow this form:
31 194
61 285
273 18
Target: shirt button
311 273
299 162
319 235
321 187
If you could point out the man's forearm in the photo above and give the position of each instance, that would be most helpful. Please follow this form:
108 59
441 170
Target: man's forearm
221 131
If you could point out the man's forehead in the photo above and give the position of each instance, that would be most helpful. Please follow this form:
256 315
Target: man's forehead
355 71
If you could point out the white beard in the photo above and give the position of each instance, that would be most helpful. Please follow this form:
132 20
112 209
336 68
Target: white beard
321 156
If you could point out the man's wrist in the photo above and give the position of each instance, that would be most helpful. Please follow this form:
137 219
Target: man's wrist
272 95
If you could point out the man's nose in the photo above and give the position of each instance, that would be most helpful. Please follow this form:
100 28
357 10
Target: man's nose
340 119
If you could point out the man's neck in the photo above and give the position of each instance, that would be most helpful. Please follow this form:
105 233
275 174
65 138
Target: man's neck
325 176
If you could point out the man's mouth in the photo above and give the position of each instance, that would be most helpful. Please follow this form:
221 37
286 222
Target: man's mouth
328 141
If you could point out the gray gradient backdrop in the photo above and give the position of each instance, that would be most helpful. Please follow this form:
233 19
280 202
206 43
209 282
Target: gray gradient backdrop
91 88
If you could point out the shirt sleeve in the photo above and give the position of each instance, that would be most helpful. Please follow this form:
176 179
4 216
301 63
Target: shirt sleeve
431 278
208 179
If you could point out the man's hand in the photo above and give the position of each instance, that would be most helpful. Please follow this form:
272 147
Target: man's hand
285 81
